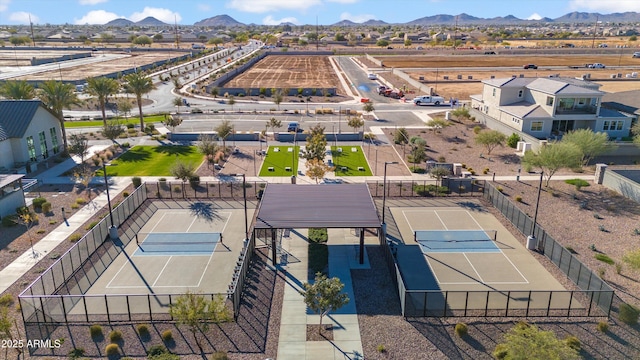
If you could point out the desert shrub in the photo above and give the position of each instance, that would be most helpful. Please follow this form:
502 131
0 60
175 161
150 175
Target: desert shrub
112 350
426 190
75 237
219 355
318 235
499 188
512 141
194 181
570 249
631 258
37 203
125 193
155 350
95 331
604 258
130 126
75 206
46 207
628 314
477 129
167 336
441 159
143 330
81 201
115 336
177 188
91 225
10 220
76 353
603 326
501 351
136 181
6 300
462 329
618 268
519 198
380 348
573 342
578 183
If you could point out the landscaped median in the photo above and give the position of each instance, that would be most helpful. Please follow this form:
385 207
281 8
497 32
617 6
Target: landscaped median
153 160
99 123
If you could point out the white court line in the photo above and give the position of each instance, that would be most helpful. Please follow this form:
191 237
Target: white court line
208 262
116 275
404 213
190 225
158 223
443 224
160 273
488 283
473 267
432 272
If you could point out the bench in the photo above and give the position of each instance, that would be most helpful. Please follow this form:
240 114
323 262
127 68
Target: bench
360 168
339 150
354 149
270 168
287 168
290 149
343 168
276 149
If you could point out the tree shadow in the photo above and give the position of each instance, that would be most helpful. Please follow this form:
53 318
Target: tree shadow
174 150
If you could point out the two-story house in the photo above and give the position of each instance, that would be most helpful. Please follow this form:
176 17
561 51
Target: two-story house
547 108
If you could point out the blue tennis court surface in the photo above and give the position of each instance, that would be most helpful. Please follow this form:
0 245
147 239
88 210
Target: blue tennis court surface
164 244
476 241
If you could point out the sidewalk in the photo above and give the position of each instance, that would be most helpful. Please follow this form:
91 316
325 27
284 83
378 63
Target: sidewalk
346 343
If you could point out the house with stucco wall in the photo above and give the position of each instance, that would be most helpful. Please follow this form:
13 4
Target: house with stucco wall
547 108
29 133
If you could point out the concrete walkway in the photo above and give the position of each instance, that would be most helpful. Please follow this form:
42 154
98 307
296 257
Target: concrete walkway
343 257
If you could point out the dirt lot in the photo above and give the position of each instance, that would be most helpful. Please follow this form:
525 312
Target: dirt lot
23 57
289 72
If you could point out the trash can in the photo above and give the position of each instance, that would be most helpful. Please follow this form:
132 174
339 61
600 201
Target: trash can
532 242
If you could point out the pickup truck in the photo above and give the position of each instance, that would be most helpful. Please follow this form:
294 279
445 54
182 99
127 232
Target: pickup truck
590 66
428 99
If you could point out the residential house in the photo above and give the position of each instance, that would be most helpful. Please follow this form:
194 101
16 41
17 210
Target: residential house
546 108
628 102
29 133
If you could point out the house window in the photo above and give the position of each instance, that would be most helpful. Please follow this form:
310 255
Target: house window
549 101
31 148
494 92
54 139
520 93
43 145
612 125
515 120
536 126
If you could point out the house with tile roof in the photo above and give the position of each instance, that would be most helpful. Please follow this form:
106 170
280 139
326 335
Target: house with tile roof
29 133
547 108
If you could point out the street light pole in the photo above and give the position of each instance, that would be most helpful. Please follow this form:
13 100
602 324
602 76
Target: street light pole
113 231
531 239
244 194
384 195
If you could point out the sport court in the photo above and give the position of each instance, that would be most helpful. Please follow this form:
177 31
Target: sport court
176 251
465 250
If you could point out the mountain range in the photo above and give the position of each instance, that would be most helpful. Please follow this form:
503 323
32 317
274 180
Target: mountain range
440 19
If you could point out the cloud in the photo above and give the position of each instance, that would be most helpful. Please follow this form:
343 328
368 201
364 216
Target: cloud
360 18
22 17
91 2
604 6
534 16
164 15
344 1
269 20
204 7
261 6
4 5
97 17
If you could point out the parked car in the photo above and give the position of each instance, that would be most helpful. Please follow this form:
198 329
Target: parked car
636 54
489 52
294 127
596 66
372 77
530 66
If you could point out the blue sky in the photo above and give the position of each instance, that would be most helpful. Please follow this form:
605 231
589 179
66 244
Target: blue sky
273 12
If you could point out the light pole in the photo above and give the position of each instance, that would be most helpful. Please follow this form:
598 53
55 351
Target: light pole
244 195
531 239
384 195
113 230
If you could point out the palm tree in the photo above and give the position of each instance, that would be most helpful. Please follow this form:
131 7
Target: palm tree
138 84
102 87
17 90
56 96
177 102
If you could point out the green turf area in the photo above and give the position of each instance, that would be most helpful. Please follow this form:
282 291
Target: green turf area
279 160
152 160
351 160
98 123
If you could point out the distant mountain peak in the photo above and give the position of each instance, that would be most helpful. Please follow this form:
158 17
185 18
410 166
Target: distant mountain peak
219 20
150 21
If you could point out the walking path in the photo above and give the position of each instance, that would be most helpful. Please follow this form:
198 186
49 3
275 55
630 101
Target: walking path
346 343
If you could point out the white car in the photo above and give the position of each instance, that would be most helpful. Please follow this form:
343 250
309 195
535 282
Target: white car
596 66
636 54
372 77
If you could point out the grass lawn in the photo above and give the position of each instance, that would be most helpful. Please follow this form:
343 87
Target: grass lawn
98 123
152 160
352 160
279 160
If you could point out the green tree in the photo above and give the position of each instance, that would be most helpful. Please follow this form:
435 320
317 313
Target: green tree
17 90
112 130
324 295
553 157
224 130
437 124
401 136
490 139
525 341
368 107
208 147
125 106
143 40
231 101
197 312
355 122
512 140
591 144
273 123
407 42
172 122
57 96
340 37
106 37
102 87
157 37
6 329
317 169
139 84
277 97
177 102
439 172
215 92
418 153
316 144
382 43
182 170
